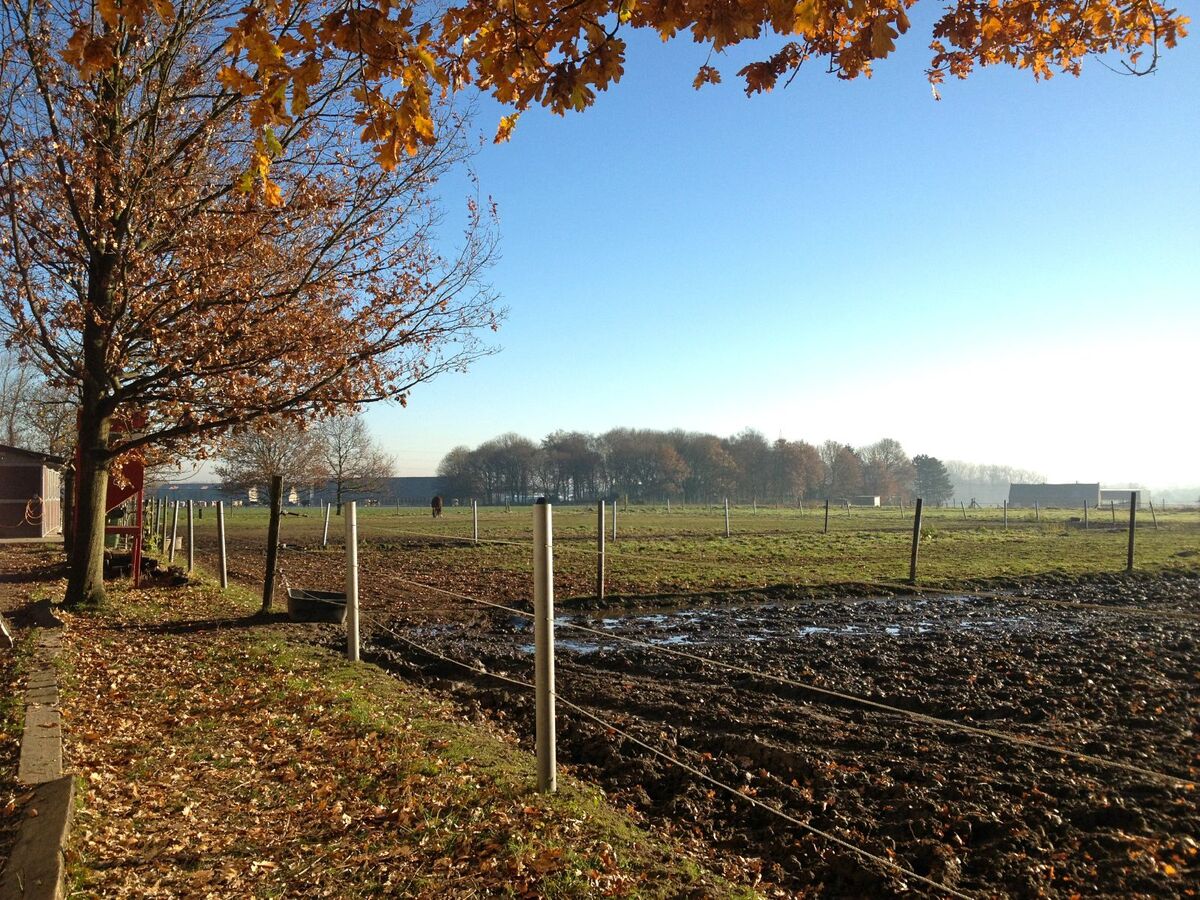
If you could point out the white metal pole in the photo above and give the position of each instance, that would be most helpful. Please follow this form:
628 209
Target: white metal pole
614 520
191 536
600 550
726 517
475 520
668 506
543 637
174 532
351 511
325 534
222 559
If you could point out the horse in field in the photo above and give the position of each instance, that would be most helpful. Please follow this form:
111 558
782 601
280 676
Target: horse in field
437 506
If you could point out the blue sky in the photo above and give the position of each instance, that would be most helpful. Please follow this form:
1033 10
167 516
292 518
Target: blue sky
1009 275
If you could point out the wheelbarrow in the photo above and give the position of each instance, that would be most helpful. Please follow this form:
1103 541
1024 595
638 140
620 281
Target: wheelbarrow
316 606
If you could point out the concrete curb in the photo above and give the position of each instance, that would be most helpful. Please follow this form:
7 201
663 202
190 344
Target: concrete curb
37 866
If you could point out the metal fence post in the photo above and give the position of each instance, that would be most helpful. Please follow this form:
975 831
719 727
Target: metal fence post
351 513
222 559
600 550
726 517
614 536
325 533
543 636
916 542
1132 526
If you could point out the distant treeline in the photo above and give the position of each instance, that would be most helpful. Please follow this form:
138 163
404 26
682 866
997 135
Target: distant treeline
648 465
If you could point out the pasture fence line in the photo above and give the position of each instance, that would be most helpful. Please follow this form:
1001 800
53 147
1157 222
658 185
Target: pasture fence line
606 724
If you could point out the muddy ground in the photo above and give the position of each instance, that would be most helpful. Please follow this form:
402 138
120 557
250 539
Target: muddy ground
1118 678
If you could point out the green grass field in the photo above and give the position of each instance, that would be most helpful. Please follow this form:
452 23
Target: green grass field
686 550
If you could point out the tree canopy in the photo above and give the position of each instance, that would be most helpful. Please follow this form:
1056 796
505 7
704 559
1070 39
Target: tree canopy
559 53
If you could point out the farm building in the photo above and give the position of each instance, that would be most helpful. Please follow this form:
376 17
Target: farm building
30 494
864 501
1120 496
1067 496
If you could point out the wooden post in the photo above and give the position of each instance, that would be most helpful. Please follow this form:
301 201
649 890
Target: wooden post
754 504
1112 507
351 510
191 539
543 638
600 550
325 533
1132 527
826 516
964 509
614 534
1153 515
273 541
1037 512
847 509
916 543
726 517
800 504
668 506
475 521
222 560
1085 516
174 532
1006 515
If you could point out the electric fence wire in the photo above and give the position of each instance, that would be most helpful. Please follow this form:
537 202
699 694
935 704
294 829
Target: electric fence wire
923 718
754 801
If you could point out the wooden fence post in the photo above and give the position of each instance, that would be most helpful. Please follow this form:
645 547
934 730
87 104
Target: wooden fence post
273 541
325 533
1132 527
222 559
614 534
543 638
174 532
1006 515
352 648
1037 512
600 550
1153 515
726 517
916 543
191 539
826 516
1085 516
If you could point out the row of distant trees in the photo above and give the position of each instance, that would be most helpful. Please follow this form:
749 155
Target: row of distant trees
650 465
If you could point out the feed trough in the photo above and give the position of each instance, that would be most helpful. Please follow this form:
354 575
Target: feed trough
316 606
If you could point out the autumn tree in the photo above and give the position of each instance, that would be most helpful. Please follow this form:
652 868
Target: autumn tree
151 267
932 482
843 470
250 458
887 470
353 461
559 53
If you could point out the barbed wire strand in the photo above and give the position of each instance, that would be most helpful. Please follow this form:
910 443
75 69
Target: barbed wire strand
812 829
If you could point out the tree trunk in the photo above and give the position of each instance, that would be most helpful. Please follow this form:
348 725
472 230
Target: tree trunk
85 579
68 507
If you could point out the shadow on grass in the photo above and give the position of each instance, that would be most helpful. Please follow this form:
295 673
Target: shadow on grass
198 626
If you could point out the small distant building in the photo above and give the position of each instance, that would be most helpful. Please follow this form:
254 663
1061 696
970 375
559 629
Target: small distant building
30 494
1120 496
1067 496
864 501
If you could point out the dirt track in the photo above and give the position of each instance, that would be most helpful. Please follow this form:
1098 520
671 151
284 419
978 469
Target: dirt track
973 813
